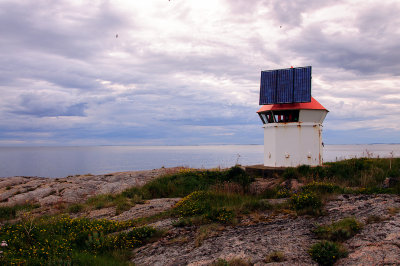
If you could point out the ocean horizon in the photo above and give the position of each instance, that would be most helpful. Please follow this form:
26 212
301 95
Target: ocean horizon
62 161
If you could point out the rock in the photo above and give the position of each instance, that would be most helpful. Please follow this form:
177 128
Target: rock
50 200
292 185
32 196
102 213
74 189
390 182
290 236
150 207
262 184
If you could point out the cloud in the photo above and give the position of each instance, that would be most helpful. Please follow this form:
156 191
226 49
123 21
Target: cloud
43 106
188 72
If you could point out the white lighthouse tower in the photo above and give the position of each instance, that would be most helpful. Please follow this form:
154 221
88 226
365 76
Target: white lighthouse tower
292 119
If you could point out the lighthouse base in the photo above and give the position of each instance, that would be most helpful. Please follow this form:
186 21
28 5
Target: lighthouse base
293 144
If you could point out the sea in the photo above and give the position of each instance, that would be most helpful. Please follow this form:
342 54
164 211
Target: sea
67 161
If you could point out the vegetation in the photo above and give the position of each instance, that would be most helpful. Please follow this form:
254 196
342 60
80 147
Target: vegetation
62 240
327 252
362 172
232 262
10 212
188 181
340 230
306 203
219 207
211 199
275 256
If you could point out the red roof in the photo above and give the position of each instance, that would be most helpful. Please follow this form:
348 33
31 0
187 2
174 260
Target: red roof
313 105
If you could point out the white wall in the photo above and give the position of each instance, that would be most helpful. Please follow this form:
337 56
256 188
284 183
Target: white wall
315 116
292 144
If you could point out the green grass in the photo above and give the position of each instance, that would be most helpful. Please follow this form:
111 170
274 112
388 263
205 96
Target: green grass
10 212
59 238
187 181
340 230
362 172
327 252
219 207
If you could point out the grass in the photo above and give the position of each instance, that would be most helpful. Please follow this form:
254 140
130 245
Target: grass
330 249
175 185
327 252
62 239
211 199
10 212
340 230
217 206
276 256
362 172
231 262
206 231
187 181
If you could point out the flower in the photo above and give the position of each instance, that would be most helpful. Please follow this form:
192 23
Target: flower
4 243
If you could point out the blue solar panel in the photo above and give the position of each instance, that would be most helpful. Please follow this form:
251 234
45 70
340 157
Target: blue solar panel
268 80
302 85
284 86
291 85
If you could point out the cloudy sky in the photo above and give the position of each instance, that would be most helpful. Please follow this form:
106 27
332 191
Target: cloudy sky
183 72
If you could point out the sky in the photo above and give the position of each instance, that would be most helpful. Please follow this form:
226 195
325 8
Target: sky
187 72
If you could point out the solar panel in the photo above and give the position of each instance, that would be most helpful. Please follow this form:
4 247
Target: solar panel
290 85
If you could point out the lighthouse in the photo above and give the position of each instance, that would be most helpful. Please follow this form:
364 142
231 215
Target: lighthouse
292 119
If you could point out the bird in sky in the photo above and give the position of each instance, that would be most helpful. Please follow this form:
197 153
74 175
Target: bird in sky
116 36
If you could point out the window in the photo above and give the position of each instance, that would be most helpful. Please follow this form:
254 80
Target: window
285 116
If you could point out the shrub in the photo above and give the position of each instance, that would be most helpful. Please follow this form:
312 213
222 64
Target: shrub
283 193
291 173
193 204
101 201
232 262
307 202
257 205
182 222
327 252
10 212
220 215
321 187
75 208
304 170
340 230
238 175
7 212
269 193
220 262
275 256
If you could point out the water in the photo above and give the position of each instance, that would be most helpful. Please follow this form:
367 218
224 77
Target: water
64 161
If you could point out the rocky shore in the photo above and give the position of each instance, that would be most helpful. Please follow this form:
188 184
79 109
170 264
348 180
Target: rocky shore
73 189
251 239
260 235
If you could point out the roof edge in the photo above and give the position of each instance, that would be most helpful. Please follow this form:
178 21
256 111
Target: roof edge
313 105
